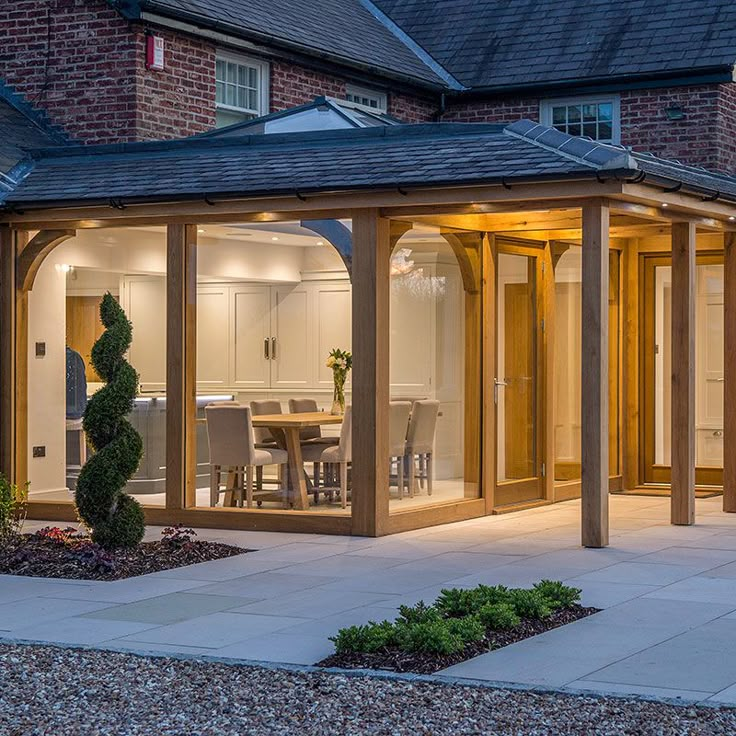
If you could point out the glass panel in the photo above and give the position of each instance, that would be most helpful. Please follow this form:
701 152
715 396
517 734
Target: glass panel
590 130
559 115
573 113
708 365
568 364
517 367
605 131
614 360
589 113
434 374
64 323
272 301
605 111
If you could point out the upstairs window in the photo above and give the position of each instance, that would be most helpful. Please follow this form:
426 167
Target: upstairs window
241 89
595 117
368 98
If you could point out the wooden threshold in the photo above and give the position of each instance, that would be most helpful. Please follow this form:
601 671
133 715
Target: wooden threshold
664 491
510 508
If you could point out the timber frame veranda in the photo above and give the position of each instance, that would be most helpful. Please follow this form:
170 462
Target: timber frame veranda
633 218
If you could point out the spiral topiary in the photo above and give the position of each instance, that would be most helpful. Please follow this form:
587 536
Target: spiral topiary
114 517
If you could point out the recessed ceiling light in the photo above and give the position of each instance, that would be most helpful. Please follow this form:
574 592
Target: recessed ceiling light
322 242
201 230
275 237
664 204
732 218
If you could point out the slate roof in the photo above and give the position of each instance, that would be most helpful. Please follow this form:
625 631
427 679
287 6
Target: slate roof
342 30
503 44
21 129
402 156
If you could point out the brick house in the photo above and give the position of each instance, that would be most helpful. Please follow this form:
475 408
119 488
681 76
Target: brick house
650 75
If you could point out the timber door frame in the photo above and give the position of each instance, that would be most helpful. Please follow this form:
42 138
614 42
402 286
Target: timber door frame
505 493
650 472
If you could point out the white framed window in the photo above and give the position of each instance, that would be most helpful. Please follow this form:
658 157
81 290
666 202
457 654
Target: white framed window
241 88
597 117
368 98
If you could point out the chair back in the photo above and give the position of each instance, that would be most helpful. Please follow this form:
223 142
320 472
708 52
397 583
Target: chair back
303 406
345 446
422 426
230 435
259 408
398 420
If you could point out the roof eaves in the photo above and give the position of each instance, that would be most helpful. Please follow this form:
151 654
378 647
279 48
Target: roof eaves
37 118
151 10
581 150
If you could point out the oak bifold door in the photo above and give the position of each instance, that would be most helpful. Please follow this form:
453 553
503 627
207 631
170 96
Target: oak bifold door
518 374
656 378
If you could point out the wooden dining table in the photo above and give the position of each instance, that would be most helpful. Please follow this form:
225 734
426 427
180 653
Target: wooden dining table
286 429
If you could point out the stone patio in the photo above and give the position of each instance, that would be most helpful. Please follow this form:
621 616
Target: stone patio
669 594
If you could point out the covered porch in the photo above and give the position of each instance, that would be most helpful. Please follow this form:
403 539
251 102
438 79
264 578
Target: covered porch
545 291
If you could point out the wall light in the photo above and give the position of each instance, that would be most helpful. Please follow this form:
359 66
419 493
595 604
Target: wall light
65 267
674 112
200 230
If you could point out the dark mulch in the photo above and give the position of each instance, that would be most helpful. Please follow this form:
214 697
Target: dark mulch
67 553
422 663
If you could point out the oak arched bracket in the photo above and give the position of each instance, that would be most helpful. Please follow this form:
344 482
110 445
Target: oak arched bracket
466 246
338 235
34 254
341 237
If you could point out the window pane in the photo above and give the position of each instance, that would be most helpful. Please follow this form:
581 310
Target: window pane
253 99
573 113
230 96
589 113
590 129
605 132
220 92
242 97
253 77
232 73
243 76
220 70
559 115
605 111
574 129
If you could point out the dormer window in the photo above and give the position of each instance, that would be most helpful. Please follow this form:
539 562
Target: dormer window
368 98
598 118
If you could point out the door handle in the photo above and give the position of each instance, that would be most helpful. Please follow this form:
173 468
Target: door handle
273 348
266 353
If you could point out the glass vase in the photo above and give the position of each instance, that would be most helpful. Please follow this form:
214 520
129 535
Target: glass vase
338 396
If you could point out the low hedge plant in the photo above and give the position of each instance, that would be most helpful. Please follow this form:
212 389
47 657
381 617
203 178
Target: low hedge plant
457 618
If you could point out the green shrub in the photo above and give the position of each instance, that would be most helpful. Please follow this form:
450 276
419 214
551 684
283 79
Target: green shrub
499 616
114 518
557 594
459 602
418 614
529 603
368 638
12 509
440 636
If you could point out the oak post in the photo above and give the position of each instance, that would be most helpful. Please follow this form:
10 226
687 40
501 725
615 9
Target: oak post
729 374
595 427
371 305
181 366
683 373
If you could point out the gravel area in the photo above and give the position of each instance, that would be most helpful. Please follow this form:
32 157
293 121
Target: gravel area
47 690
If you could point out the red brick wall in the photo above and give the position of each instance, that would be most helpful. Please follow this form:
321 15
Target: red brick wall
412 109
726 128
179 100
85 78
493 111
293 85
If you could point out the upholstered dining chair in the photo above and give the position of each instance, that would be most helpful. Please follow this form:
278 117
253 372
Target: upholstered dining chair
398 421
420 442
341 454
312 436
263 438
232 449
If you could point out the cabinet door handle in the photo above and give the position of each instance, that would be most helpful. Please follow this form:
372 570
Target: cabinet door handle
266 344
273 348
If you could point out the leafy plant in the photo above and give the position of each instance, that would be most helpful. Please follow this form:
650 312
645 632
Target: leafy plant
458 602
529 603
13 502
557 594
419 613
440 636
114 517
499 616
367 638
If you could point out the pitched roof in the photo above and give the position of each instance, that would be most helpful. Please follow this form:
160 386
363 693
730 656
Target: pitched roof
439 154
21 129
341 30
500 44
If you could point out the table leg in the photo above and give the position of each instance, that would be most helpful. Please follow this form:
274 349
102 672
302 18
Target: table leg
296 468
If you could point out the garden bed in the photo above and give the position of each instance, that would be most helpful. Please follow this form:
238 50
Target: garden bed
460 625
68 553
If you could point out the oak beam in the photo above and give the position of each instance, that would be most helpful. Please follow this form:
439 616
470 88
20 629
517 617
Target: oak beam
595 410
683 373
371 311
33 255
181 366
729 375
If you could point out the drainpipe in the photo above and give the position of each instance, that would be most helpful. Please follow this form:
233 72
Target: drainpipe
441 109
